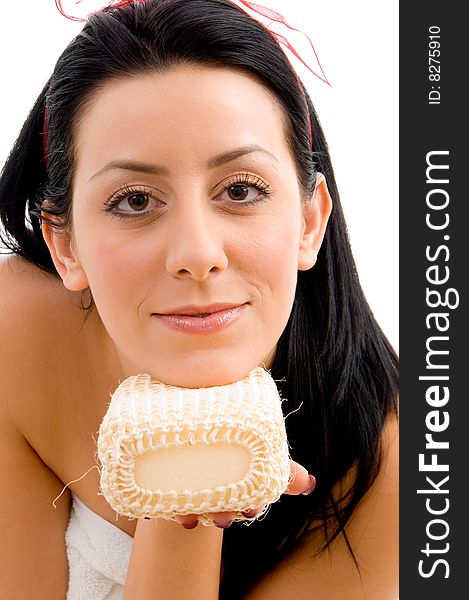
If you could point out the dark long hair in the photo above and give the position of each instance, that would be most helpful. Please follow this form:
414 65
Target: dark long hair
333 363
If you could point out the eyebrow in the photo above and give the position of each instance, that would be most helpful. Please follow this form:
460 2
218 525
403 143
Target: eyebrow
153 169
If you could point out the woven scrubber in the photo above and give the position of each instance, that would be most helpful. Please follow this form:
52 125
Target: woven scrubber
148 423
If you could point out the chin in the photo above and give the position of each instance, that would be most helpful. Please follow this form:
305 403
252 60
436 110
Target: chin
196 373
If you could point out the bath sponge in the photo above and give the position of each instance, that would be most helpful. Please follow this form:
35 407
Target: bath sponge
168 451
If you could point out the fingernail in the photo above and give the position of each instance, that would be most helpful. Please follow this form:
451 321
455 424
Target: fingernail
223 524
190 525
312 485
250 513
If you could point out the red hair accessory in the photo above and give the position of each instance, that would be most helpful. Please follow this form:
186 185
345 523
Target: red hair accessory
276 17
97 6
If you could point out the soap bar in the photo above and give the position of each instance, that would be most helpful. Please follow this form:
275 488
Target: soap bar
167 451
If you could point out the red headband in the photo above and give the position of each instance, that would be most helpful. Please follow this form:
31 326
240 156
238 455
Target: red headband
109 3
265 12
271 15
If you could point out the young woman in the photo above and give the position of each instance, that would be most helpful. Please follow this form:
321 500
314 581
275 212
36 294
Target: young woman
174 167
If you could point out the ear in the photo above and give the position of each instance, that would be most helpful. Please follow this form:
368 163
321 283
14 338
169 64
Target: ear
60 244
316 212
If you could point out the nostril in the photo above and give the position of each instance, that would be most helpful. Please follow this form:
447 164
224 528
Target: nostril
198 272
195 259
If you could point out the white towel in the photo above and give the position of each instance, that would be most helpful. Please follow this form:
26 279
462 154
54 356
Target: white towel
98 555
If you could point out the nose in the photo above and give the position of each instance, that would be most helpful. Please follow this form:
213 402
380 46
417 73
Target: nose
196 249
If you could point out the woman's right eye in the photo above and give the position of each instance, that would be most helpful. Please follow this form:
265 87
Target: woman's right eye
138 202
129 203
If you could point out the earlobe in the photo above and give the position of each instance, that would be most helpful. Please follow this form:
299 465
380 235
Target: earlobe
316 212
63 256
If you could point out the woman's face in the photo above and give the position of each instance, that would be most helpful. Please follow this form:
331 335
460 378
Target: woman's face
186 203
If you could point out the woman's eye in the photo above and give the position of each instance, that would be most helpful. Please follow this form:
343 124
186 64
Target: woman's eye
240 192
245 192
137 202
130 203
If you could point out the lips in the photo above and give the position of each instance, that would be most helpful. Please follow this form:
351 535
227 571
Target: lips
200 311
201 319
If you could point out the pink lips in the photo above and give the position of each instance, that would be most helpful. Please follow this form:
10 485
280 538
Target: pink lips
203 319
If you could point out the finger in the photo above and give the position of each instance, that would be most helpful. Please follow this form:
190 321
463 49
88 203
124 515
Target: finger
253 512
223 519
187 521
300 481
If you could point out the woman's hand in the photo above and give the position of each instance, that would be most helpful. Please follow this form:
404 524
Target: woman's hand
300 483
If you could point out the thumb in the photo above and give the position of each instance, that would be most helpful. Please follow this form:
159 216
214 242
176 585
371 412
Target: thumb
300 481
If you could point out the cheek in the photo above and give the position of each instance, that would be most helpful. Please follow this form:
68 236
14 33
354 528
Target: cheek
115 268
271 252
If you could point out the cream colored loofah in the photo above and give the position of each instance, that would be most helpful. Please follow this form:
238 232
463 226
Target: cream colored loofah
168 451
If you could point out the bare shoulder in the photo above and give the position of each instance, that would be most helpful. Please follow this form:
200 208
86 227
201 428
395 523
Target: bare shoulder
52 360
373 535
28 292
35 326
33 305
57 369
32 530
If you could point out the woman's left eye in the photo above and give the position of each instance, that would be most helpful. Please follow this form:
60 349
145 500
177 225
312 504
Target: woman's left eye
246 190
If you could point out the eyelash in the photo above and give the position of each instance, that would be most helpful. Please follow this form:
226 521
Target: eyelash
245 179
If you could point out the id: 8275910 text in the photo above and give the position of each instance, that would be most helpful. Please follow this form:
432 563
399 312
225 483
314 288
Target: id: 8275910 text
434 75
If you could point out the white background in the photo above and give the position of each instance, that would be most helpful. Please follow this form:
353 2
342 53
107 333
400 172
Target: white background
357 44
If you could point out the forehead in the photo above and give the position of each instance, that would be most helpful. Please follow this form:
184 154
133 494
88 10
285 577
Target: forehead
186 110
